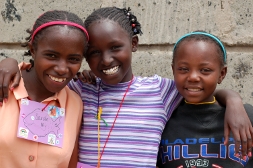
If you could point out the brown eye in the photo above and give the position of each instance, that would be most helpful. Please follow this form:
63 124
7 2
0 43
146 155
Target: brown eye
206 70
183 69
75 59
94 52
51 55
115 47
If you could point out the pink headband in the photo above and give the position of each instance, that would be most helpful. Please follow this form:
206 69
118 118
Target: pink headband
59 23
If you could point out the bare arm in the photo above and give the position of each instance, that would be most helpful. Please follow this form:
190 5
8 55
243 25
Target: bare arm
74 157
236 120
9 72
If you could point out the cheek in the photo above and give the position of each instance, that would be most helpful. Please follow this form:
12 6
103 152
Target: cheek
128 56
92 63
179 78
212 82
75 68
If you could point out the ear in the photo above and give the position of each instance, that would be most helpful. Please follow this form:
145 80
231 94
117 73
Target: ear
32 49
222 74
135 42
172 67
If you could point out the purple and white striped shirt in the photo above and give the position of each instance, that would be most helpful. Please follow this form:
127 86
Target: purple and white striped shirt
136 135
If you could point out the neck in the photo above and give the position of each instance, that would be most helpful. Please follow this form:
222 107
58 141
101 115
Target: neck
34 87
211 102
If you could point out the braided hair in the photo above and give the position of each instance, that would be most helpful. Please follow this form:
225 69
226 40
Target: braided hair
205 38
123 17
49 16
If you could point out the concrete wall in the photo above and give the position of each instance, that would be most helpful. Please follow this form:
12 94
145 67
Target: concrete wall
163 22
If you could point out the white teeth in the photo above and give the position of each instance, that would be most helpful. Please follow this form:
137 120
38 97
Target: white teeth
57 79
194 90
111 70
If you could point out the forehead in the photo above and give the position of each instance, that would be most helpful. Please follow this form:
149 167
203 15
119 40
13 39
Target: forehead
107 29
62 38
62 31
197 50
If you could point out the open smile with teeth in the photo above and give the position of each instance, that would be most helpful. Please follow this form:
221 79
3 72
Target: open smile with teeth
193 90
111 70
57 79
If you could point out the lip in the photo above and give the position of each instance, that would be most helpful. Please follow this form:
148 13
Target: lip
58 80
52 83
194 89
111 71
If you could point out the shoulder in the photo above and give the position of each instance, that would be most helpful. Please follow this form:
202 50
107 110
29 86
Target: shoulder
80 87
73 104
156 79
72 96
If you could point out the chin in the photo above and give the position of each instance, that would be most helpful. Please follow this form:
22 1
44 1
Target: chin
192 100
111 82
56 89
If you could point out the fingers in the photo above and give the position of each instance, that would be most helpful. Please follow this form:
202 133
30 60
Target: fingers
246 140
226 133
1 89
5 90
243 142
249 142
92 77
75 78
87 76
4 86
241 128
6 81
82 76
237 141
16 80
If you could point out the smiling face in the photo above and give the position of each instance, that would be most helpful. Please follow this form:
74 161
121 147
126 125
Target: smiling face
57 57
110 51
197 70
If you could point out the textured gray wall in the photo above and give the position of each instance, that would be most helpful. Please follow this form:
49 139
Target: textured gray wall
163 22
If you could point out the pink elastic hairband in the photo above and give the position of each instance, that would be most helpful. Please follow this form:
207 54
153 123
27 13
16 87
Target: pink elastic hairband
59 23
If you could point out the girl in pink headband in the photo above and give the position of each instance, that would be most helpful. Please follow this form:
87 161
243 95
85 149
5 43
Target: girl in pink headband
40 121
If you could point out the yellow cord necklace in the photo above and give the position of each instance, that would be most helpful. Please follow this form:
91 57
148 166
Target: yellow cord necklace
211 102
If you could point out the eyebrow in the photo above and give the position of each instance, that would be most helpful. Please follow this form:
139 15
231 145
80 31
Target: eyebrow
184 62
52 51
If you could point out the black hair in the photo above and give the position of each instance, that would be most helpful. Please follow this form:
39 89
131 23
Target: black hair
123 17
55 15
201 37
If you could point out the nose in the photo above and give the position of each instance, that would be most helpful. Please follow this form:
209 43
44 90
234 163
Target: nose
107 58
61 68
193 76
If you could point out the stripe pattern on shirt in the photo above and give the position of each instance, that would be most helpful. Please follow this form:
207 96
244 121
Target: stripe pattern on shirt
137 132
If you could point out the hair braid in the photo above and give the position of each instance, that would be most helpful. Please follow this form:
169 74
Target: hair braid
55 15
123 17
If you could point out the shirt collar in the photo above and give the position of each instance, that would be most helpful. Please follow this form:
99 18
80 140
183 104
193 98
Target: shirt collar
20 92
